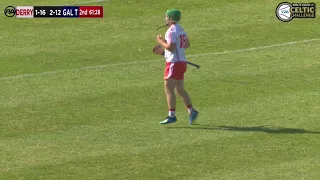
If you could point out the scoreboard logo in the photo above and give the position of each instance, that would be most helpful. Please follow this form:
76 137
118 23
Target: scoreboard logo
287 11
19 11
9 11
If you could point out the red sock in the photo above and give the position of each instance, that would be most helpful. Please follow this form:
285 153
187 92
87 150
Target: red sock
190 108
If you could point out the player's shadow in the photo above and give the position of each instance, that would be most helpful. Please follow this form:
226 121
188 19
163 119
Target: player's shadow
265 129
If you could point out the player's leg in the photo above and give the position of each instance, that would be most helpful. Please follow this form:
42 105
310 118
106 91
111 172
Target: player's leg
184 95
169 86
193 114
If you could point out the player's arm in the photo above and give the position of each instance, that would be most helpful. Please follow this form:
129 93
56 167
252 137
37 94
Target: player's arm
170 46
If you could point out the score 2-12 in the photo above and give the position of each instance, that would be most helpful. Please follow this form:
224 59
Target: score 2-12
55 12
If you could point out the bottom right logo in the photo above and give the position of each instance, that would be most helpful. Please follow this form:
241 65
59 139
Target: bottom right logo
287 11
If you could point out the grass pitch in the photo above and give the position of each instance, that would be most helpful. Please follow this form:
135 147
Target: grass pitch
79 100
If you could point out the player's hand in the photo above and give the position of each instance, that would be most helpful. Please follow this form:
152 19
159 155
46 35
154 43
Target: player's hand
159 38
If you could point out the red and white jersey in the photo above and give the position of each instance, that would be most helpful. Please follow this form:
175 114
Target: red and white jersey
176 34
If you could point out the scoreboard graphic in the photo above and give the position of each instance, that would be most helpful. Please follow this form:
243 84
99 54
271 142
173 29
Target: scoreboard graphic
54 11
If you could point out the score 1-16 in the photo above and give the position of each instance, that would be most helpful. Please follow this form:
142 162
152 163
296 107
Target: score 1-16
41 12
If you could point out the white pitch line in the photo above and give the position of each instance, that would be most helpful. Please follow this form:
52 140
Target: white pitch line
139 62
255 48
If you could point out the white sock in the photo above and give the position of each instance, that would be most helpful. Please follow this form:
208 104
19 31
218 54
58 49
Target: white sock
172 113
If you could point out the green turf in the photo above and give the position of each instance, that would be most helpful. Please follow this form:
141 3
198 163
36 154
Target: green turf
78 100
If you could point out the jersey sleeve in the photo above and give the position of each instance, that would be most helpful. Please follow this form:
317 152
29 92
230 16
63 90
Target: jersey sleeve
172 37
